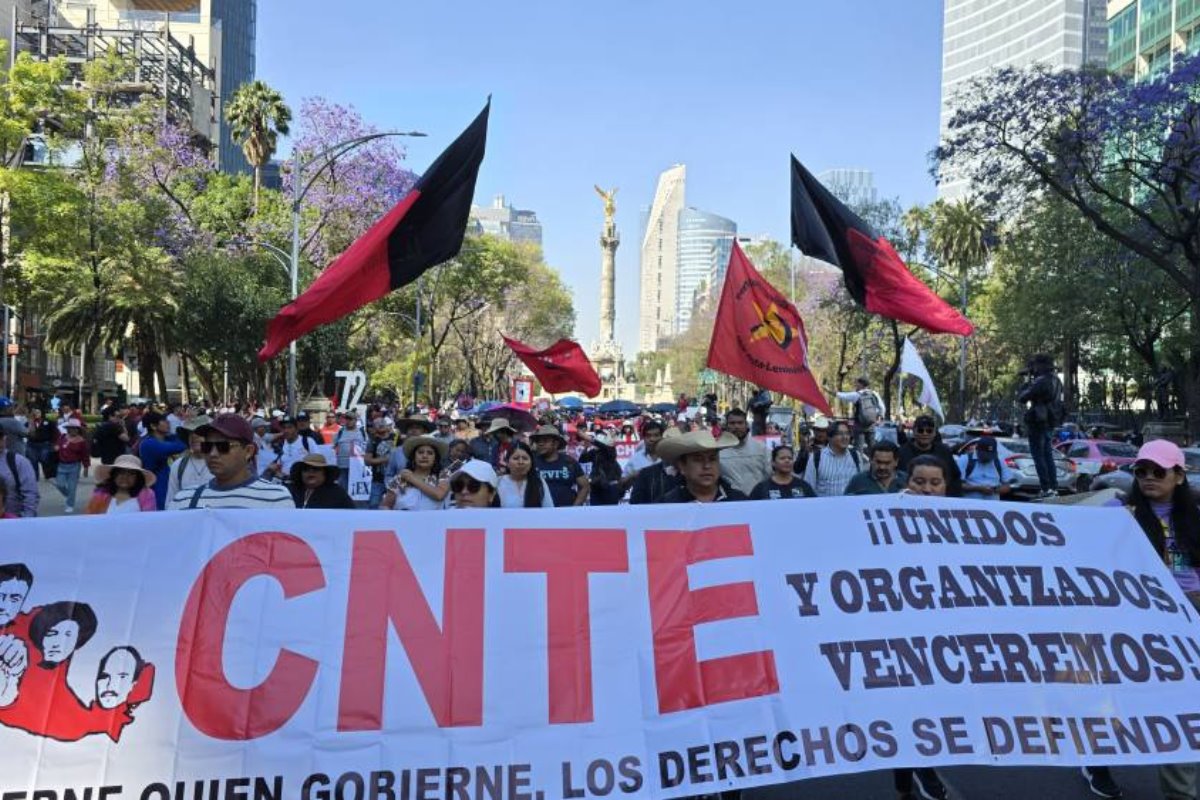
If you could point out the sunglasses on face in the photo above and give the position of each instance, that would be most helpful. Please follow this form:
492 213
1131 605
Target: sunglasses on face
465 486
1156 472
221 447
924 430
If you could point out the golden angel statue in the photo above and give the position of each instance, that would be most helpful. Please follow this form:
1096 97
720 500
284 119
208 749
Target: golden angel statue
610 205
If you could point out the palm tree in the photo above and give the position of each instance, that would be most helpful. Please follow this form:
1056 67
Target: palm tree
257 115
958 235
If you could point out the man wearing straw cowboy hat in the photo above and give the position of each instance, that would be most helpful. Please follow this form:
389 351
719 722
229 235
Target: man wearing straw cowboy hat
697 458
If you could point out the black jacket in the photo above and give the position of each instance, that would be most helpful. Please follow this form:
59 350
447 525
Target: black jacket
680 494
328 495
651 484
1043 395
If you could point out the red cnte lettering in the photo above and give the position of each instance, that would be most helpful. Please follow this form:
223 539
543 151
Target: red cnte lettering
684 681
448 662
567 557
215 707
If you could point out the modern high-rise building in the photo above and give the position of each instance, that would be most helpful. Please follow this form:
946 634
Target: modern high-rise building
502 220
1145 36
854 187
660 261
221 33
981 35
705 242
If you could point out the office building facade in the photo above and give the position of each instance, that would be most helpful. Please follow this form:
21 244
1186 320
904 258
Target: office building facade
854 187
659 261
705 242
505 222
221 33
1146 36
979 36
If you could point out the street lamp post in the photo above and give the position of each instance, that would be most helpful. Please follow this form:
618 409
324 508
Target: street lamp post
321 161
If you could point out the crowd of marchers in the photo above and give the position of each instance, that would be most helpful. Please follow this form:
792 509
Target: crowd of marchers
180 458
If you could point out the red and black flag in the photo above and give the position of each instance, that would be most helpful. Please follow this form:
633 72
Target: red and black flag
424 229
561 367
876 277
759 336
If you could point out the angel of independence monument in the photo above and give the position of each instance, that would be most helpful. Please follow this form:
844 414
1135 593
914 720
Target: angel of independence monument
606 354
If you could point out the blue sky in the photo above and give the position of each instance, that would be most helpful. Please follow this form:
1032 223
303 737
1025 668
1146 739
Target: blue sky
615 91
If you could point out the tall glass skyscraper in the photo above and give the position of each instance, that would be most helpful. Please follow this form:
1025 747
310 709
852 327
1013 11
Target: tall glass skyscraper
660 261
981 35
1145 36
237 21
705 242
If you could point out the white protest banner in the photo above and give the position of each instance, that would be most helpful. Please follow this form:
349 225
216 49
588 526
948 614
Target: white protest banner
649 651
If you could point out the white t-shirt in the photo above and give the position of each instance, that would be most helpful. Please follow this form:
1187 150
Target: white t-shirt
413 499
129 506
291 452
512 493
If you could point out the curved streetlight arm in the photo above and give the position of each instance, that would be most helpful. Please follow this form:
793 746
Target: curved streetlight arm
328 156
282 257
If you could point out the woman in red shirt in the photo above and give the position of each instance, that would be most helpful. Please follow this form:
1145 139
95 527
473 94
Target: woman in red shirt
73 454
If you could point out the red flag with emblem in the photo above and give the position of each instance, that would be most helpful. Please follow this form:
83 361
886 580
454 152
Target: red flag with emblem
561 367
759 337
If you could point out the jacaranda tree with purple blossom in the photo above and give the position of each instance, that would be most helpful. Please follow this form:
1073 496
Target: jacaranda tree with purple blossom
1124 154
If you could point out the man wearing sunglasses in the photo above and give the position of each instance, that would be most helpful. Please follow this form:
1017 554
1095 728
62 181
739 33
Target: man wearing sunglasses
229 451
924 442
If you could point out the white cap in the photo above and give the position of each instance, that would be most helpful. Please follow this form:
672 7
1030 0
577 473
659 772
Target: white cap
479 470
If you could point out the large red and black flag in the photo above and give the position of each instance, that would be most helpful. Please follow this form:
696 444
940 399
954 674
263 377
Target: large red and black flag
759 336
424 229
561 367
878 280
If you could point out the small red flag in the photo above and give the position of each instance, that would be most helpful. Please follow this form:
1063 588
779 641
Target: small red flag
759 336
561 367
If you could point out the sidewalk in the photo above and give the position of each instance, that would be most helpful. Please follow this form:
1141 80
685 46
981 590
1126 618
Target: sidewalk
51 503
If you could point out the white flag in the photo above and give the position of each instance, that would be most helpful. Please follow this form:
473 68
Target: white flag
911 364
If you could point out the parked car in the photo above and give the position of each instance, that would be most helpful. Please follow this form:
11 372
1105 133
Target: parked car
953 435
1095 457
1016 456
1122 477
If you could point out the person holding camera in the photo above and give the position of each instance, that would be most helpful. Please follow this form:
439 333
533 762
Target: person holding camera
1043 392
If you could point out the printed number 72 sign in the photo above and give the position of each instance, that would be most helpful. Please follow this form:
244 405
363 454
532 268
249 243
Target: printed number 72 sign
353 388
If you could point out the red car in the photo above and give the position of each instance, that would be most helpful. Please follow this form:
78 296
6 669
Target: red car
1096 457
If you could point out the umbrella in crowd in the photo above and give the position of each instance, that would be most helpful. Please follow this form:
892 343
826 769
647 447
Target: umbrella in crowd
661 408
518 417
620 408
570 402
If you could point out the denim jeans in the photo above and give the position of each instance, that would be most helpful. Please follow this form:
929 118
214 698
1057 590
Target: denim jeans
66 481
378 490
37 452
1043 455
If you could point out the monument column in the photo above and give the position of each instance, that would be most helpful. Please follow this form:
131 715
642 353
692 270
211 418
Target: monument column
609 241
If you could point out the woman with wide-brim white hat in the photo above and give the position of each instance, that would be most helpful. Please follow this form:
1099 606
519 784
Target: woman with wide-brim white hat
123 487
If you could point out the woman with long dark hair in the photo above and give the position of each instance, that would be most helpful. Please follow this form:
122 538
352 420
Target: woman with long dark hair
420 487
522 486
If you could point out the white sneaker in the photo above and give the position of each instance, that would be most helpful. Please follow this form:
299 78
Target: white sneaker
68 510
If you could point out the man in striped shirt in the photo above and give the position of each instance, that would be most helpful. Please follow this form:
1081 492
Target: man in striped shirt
831 468
229 451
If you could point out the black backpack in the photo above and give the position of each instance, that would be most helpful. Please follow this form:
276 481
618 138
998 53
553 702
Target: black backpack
816 459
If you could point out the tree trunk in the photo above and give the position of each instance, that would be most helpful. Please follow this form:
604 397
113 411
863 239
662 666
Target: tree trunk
257 186
1191 385
206 378
147 361
159 370
897 350
184 380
